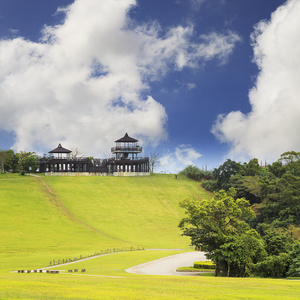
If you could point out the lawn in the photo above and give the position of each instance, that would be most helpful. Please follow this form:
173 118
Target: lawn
143 211
86 215
105 278
78 216
34 230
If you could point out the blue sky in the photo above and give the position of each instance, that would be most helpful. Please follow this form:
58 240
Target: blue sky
197 81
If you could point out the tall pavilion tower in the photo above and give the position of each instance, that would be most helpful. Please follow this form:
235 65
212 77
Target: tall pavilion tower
126 147
126 157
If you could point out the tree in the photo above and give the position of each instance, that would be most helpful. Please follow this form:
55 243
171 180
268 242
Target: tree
154 161
294 269
254 188
277 169
195 173
213 224
289 157
282 206
225 171
76 153
12 161
291 162
277 242
283 259
3 159
240 252
249 187
8 161
252 168
275 266
28 161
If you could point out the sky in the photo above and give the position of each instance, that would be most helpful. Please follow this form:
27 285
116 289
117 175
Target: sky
196 81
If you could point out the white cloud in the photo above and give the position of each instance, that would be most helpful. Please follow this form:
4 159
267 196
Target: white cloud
183 156
217 46
273 124
186 154
81 84
14 31
191 86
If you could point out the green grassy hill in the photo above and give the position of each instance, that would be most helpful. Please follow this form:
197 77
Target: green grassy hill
65 217
53 217
142 211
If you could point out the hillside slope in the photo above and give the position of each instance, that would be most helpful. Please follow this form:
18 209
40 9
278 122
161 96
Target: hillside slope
69 216
142 211
34 230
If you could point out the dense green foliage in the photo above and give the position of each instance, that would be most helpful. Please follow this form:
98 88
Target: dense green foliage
277 242
273 192
195 173
294 268
18 162
218 227
275 266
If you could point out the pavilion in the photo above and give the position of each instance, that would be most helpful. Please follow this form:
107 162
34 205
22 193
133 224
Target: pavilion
126 156
125 161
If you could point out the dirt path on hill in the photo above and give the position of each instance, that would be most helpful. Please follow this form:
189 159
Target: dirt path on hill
58 203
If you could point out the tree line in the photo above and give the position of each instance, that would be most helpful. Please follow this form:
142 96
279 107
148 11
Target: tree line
19 162
252 224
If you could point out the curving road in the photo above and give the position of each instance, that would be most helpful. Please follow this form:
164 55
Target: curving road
169 264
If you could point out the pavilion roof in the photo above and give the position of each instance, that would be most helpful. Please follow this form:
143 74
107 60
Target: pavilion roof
60 149
126 139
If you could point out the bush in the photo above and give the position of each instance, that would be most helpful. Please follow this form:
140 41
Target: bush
277 242
211 185
195 173
294 269
275 266
204 265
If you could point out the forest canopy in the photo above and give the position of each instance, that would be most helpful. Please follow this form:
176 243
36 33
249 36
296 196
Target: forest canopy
273 196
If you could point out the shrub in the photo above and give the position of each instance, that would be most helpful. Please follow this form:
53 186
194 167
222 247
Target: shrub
294 269
204 265
275 266
211 185
195 173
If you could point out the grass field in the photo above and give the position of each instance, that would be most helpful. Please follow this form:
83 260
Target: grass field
139 210
65 217
106 279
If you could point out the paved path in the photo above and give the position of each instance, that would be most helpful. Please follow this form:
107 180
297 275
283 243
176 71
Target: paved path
168 265
163 266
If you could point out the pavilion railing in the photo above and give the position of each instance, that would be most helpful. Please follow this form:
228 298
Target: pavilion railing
137 148
129 159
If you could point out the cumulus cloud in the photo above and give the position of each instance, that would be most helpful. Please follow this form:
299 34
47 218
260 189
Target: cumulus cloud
273 124
183 156
82 83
